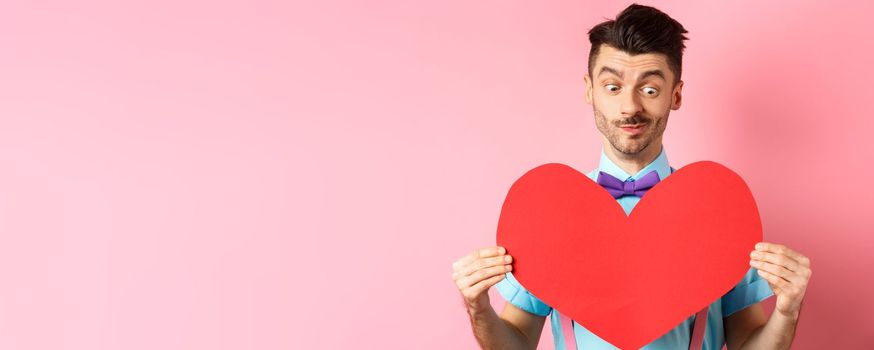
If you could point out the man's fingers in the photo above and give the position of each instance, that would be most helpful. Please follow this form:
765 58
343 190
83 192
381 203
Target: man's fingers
776 270
777 259
774 279
485 284
484 263
488 252
782 249
479 253
482 274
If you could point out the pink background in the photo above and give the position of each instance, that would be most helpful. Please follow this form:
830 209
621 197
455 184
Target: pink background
218 175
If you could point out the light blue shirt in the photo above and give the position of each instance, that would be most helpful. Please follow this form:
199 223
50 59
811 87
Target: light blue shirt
750 290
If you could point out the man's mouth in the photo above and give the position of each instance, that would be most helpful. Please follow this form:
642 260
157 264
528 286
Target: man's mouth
633 129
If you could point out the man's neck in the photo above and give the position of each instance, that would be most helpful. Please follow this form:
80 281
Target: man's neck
633 163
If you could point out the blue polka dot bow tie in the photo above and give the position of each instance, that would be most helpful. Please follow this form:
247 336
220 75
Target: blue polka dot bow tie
619 188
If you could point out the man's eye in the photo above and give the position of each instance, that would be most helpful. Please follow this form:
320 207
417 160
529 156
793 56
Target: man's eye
611 87
650 91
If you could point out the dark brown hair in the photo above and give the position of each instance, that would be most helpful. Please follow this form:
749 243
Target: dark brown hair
641 29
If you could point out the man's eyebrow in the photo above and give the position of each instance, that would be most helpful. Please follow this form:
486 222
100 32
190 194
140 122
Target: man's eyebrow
610 70
656 72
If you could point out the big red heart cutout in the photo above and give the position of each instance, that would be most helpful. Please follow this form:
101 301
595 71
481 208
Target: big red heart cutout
629 279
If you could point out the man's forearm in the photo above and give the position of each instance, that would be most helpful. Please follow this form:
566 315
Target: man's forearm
777 333
492 332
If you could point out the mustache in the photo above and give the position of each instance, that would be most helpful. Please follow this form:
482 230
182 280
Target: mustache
636 119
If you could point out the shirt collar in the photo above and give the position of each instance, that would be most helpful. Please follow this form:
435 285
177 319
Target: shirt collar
660 165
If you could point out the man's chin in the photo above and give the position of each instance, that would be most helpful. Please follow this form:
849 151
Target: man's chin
631 149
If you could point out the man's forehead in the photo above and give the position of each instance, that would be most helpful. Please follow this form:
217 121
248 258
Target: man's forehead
617 62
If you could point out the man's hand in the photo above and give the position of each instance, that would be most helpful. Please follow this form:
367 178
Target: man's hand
786 271
476 272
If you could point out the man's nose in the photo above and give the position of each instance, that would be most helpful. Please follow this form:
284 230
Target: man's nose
630 103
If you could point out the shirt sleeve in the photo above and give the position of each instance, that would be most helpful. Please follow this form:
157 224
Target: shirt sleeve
751 289
520 297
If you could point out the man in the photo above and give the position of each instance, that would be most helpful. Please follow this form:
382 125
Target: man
633 82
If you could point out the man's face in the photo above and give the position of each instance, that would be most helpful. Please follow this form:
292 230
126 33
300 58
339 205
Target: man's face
632 97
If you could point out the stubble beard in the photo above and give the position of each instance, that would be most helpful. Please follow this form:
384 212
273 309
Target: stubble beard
620 142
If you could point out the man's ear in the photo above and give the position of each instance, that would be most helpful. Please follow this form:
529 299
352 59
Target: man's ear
677 98
588 80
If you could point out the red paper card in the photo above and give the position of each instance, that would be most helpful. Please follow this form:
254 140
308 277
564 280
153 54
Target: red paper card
629 279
